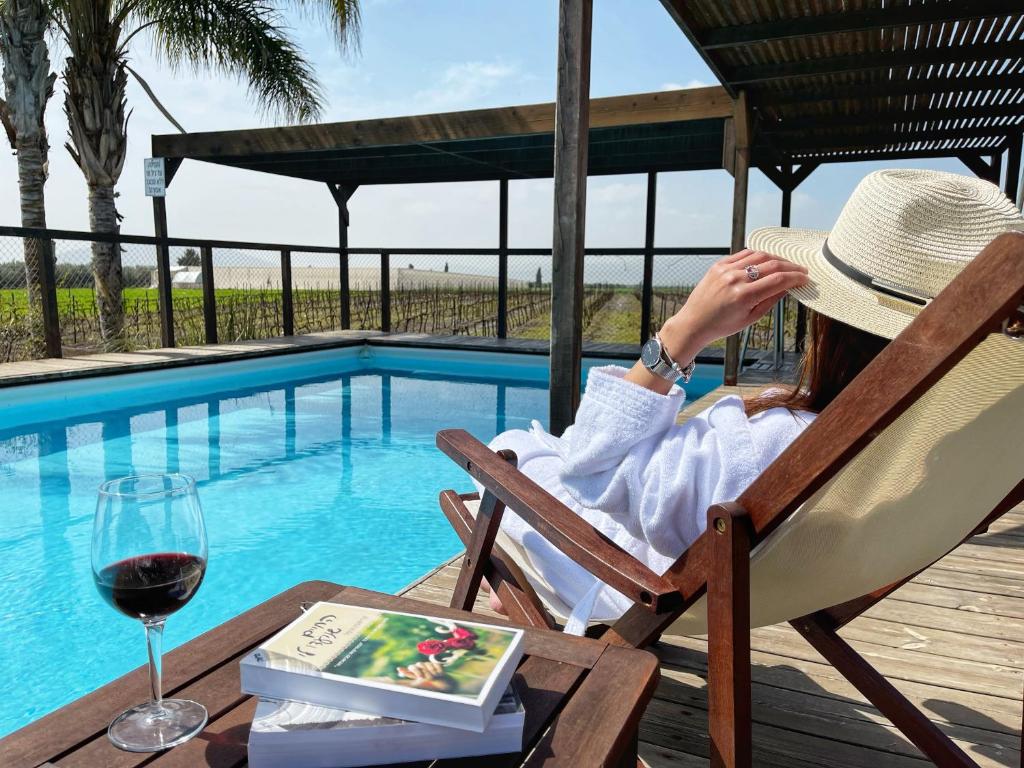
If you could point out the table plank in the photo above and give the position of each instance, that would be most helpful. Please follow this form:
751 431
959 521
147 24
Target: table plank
60 732
220 692
222 744
616 691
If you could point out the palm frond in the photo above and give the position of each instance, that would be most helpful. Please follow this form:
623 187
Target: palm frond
243 38
342 16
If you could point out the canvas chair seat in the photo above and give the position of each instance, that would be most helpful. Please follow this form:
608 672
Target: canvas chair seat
908 498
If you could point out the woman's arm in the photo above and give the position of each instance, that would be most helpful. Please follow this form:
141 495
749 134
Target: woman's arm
724 302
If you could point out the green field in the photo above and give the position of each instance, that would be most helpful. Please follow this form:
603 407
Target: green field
611 314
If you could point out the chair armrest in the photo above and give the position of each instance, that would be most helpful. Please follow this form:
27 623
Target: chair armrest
567 531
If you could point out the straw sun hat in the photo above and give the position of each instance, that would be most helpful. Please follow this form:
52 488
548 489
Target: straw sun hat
900 239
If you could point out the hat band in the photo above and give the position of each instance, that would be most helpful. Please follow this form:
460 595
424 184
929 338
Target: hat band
874 283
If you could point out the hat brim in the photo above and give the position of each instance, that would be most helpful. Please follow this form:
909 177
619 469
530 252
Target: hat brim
828 290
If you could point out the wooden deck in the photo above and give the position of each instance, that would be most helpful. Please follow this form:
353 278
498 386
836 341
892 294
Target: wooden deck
952 641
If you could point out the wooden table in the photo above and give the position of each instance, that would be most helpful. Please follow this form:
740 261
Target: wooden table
583 697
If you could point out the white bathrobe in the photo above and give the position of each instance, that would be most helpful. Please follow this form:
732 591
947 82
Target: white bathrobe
627 468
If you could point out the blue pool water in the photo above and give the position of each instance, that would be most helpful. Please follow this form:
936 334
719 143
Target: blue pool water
312 466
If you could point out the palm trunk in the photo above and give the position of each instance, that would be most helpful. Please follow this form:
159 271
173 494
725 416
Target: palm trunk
94 102
31 178
106 268
28 86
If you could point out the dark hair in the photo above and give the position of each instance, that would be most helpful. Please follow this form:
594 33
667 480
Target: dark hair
836 354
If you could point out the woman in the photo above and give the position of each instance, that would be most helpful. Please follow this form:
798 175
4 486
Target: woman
645 482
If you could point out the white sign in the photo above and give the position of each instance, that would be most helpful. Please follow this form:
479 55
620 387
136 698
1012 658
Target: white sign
156 179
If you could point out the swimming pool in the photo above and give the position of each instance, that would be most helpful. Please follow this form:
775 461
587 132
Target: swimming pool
317 465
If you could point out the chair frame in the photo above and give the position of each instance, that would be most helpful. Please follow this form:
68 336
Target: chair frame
988 296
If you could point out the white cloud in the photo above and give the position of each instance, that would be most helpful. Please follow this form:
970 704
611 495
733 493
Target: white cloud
464 83
693 83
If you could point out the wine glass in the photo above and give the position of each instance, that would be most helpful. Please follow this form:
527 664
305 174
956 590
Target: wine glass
148 559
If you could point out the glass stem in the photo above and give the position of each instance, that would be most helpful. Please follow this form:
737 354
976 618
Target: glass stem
154 645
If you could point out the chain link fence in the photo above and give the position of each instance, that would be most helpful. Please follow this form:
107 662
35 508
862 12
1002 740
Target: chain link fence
435 293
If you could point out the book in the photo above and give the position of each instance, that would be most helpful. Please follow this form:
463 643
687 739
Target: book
401 665
288 734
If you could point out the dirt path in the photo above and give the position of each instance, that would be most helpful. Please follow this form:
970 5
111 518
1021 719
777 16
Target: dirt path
617 322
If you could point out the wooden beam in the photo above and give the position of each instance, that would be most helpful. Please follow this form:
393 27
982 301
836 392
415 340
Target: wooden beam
852 21
831 65
633 109
163 273
502 258
831 91
342 194
800 174
287 308
385 292
209 294
865 155
49 312
570 204
741 163
893 114
979 166
1013 150
824 142
647 287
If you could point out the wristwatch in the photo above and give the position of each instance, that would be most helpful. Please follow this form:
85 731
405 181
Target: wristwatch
658 361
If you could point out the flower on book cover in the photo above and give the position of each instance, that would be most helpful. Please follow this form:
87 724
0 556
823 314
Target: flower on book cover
431 647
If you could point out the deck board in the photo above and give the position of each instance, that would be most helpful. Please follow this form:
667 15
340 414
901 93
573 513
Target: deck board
953 645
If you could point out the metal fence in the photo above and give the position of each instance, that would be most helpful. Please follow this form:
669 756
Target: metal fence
181 291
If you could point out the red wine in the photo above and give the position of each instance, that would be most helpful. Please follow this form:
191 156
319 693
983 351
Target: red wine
151 586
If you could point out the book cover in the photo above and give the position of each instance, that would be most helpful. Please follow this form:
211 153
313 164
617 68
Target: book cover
296 735
400 665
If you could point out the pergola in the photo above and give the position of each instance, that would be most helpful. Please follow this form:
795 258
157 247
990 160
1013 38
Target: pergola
641 133
801 84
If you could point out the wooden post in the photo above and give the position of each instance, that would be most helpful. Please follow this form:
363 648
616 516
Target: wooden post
48 300
502 258
728 608
341 194
209 294
344 297
385 293
780 308
572 123
1013 150
163 273
742 127
647 289
287 309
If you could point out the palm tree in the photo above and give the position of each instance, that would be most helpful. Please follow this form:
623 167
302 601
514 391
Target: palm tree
245 38
28 86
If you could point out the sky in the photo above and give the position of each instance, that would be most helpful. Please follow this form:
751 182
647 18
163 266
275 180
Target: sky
424 56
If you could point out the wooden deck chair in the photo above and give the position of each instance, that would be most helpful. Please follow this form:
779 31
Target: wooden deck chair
921 451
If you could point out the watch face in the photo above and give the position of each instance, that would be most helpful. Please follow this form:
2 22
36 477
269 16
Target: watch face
650 355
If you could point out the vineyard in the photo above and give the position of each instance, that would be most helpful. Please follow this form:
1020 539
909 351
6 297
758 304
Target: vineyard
611 314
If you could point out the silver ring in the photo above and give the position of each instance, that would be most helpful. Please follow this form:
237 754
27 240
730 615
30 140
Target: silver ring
752 272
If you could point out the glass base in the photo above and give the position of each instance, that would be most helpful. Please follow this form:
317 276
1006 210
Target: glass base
151 727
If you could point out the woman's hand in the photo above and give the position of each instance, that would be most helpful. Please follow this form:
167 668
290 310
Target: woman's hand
724 302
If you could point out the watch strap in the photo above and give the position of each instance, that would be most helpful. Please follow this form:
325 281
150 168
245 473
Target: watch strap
669 369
